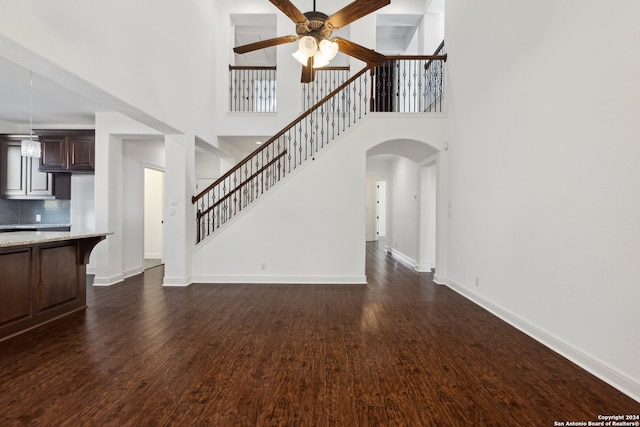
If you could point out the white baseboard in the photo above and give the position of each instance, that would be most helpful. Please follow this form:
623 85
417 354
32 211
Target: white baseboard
265 279
423 268
438 279
153 255
402 257
176 281
605 372
108 281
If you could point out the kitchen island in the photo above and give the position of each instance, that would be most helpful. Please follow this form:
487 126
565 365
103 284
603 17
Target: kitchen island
42 276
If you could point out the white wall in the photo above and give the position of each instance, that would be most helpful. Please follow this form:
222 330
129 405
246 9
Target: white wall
543 172
310 229
207 169
83 209
403 205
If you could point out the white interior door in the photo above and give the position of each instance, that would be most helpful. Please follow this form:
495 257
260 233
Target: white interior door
153 214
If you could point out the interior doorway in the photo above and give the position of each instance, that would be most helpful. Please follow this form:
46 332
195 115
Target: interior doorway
153 217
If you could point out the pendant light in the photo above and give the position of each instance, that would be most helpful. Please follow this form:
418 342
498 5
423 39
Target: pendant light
30 147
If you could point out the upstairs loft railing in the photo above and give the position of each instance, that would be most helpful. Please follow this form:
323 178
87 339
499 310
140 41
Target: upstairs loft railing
252 89
410 84
405 84
365 92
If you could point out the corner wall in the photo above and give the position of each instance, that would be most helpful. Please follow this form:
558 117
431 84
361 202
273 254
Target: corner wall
543 173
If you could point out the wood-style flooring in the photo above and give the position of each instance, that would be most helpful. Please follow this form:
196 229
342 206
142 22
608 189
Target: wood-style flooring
400 351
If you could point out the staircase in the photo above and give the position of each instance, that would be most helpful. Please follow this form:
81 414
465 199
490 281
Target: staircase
401 84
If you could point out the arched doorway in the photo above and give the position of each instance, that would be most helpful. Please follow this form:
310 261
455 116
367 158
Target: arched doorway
409 169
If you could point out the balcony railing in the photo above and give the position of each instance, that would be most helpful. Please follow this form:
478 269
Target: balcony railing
252 89
410 84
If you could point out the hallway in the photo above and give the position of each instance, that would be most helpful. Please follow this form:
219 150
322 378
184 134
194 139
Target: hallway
398 351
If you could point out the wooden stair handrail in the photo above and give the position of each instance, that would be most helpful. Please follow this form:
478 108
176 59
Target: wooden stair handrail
200 214
248 67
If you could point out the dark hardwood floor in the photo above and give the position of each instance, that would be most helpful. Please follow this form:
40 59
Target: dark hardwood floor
400 351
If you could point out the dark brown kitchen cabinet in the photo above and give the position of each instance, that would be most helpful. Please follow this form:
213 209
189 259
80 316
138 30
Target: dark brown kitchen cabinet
67 151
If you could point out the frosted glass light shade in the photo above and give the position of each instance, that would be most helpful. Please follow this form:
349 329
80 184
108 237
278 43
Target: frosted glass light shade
300 57
320 60
308 46
329 49
30 148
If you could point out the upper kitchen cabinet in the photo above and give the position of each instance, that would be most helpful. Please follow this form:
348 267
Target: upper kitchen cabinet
20 177
67 151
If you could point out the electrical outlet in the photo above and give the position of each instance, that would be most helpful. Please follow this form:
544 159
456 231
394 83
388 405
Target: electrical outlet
263 267
38 217
477 282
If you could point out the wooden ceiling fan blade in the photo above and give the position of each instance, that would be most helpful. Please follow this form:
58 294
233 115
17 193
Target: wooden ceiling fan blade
264 44
308 72
290 10
354 11
369 56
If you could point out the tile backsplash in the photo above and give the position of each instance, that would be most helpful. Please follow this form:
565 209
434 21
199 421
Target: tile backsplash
25 211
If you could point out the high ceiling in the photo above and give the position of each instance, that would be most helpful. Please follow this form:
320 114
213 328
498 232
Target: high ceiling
50 104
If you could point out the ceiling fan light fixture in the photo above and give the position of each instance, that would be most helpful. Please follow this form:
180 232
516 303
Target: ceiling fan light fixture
329 49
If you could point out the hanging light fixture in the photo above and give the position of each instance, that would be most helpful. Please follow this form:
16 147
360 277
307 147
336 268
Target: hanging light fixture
30 147
322 52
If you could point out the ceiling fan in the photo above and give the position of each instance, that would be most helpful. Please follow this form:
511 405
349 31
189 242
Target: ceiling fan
314 29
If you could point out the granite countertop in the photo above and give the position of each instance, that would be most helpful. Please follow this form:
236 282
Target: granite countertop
31 226
23 238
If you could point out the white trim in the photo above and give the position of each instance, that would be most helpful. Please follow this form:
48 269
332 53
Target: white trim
176 281
108 281
133 271
288 280
423 268
605 372
153 255
402 257
438 279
